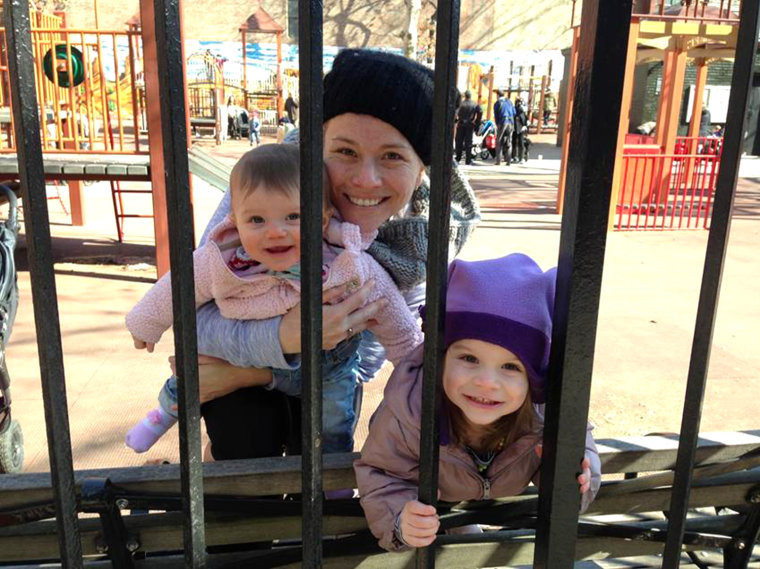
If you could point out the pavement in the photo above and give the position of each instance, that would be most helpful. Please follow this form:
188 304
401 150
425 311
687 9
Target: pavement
643 340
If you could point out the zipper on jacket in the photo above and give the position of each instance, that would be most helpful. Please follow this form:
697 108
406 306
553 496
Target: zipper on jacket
486 488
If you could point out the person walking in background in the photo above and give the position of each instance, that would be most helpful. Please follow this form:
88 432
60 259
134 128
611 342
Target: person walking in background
466 117
290 108
521 132
550 105
504 114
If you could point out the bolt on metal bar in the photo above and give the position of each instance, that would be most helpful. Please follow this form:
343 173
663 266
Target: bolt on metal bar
311 93
446 54
593 141
27 131
720 225
181 244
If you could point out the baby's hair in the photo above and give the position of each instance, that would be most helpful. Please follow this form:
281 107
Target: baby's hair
275 167
501 433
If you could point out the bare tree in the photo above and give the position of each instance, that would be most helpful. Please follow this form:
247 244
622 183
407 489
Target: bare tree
51 5
411 35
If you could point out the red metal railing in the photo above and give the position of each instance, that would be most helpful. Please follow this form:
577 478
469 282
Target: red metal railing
669 191
713 11
101 114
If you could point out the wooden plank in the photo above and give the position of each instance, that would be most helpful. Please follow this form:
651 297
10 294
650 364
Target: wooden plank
269 476
255 477
116 169
163 532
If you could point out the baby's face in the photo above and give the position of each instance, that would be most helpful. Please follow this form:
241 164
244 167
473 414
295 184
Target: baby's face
269 224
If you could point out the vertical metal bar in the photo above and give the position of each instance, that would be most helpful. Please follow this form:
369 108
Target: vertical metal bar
104 96
653 161
117 91
133 90
446 52
599 91
311 93
717 241
621 200
72 113
31 174
181 243
88 94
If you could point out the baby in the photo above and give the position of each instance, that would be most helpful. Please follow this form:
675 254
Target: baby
250 266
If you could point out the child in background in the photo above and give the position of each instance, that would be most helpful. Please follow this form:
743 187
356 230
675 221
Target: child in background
497 339
254 128
251 267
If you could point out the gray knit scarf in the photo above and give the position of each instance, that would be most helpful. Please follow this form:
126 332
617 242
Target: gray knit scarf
401 244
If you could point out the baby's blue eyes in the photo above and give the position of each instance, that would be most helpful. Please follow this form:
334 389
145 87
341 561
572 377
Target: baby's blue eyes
293 217
512 367
257 219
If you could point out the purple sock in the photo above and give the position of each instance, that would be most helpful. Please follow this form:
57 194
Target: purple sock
145 434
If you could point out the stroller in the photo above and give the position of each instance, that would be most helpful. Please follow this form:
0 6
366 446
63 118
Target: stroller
11 437
484 141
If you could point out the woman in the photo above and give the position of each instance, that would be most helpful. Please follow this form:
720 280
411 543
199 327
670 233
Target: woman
377 145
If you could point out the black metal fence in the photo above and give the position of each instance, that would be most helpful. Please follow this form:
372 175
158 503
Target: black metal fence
594 132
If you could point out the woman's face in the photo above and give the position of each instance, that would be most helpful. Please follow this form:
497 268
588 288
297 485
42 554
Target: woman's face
372 167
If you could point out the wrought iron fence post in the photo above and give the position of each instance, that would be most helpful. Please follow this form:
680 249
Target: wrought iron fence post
181 244
311 93
593 139
37 223
720 225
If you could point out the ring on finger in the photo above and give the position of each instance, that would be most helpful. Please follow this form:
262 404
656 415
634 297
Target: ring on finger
350 331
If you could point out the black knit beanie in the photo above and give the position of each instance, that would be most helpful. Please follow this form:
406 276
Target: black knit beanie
389 87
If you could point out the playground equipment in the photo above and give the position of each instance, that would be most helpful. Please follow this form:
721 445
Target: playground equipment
670 182
535 90
260 22
88 95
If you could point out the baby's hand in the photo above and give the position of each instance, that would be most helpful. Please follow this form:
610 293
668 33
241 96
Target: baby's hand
419 524
584 478
140 345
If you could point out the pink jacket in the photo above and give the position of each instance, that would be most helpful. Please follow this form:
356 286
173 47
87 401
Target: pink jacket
387 472
260 296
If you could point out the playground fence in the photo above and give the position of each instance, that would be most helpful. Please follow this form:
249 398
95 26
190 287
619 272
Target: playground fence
669 191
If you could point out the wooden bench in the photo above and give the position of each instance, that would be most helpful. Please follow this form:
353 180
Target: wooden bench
85 166
626 520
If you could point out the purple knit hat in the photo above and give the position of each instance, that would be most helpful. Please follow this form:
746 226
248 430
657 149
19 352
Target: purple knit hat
508 302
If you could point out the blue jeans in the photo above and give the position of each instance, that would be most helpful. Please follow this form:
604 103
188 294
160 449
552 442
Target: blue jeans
340 398
340 377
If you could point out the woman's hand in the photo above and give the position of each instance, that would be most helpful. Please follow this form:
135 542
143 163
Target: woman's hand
218 378
418 524
339 321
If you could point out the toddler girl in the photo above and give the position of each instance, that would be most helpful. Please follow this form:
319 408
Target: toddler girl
497 339
250 266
